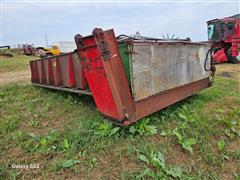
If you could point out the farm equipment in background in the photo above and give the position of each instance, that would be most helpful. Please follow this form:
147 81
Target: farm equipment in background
224 34
44 52
5 47
28 49
5 51
129 78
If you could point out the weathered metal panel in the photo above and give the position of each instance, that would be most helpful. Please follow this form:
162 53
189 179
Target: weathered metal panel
34 72
64 66
45 63
77 71
41 72
157 67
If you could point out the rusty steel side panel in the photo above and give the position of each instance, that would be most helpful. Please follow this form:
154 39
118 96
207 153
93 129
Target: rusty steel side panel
63 64
34 72
158 67
155 103
79 76
61 70
56 72
67 70
41 72
45 64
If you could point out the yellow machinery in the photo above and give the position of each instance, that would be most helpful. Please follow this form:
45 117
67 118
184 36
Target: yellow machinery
43 52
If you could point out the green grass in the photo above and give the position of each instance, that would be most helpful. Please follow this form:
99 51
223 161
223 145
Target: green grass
15 63
69 138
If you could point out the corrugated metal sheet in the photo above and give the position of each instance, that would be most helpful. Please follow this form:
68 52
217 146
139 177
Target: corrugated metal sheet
160 67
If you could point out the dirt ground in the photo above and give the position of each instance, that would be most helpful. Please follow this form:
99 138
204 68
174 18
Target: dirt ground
13 77
228 70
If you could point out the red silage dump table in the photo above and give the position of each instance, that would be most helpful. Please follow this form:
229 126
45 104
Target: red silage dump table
128 79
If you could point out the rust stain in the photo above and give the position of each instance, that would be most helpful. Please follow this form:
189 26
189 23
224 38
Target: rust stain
197 56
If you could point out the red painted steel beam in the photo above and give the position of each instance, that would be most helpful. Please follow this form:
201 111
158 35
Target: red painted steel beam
115 73
96 75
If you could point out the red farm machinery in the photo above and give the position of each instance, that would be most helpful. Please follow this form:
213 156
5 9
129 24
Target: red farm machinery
28 49
129 78
224 34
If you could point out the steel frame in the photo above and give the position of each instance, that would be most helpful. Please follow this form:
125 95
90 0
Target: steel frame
103 69
129 110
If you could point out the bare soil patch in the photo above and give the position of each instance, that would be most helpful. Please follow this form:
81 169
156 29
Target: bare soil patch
14 77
